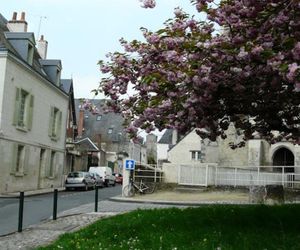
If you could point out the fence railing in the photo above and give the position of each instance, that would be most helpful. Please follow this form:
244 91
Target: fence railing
148 173
287 176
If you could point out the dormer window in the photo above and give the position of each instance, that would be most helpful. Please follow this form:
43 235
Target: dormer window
53 70
30 54
58 77
23 43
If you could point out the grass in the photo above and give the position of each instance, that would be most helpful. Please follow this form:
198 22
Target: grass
208 227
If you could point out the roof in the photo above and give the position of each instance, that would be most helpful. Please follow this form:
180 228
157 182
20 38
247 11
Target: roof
87 144
51 62
19 35
5 45
66 85
166 137
108 125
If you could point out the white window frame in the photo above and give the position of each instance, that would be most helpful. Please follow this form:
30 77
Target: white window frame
196 155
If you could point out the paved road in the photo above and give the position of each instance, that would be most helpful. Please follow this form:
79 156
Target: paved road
40 207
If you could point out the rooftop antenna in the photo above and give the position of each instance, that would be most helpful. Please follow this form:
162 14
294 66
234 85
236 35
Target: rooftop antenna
40 23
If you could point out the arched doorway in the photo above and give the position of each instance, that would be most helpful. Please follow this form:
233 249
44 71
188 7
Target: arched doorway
284 157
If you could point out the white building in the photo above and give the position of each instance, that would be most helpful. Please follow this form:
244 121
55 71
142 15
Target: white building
33 111
256 159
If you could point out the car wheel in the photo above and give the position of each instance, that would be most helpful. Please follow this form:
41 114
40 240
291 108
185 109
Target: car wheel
114 183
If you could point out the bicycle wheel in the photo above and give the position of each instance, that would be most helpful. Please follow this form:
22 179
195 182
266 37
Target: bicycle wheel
151 188
128 191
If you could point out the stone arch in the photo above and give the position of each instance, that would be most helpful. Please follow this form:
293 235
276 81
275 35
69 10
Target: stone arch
283 156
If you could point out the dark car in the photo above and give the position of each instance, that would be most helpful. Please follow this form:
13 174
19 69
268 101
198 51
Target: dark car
99 182
119 178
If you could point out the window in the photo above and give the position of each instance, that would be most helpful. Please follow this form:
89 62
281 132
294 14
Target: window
19 161
30 54
99 117
23 110
52 164
55 123
196 155
110 130
58 73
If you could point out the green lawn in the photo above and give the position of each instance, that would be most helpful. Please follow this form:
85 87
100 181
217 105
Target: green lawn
208 227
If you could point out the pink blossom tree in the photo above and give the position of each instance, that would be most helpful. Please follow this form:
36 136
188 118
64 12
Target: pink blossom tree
190 75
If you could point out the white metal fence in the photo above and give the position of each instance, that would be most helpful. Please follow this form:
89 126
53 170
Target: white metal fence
211 174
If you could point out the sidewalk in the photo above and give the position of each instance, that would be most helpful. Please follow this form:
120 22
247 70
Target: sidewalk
76 218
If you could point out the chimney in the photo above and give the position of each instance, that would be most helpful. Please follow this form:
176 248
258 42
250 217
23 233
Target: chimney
14 18
98 140
174 136
42 47
80 123
15 25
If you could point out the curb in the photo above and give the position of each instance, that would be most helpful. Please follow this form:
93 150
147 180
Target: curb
178 203
30 193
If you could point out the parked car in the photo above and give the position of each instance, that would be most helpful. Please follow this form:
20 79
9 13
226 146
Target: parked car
79 179
98 179
119 178
105 173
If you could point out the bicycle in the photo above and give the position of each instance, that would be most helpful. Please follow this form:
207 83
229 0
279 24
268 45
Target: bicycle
133 187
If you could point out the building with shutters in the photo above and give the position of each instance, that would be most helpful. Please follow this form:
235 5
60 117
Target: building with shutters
33 111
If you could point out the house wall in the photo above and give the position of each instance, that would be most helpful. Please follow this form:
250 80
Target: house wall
137 152
162 151
181 152
2 76
45 96
232 157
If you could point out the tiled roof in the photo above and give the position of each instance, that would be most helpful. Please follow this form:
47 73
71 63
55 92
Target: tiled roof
166 137
108 125
66 85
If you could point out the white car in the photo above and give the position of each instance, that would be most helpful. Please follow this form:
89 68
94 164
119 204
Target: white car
79 179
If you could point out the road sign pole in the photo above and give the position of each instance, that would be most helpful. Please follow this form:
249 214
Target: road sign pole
96 199
21 206
55 195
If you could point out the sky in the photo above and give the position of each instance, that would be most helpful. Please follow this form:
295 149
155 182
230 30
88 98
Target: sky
80 33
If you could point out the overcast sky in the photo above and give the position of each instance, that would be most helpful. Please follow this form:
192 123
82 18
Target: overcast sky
81 33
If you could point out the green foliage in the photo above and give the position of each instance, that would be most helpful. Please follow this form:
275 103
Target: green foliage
207 227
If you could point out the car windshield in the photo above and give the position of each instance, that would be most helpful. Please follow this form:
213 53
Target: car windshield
75 175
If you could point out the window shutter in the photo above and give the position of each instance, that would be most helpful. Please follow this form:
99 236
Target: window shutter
51 121
59 124
30 112
14 158
26 160
57 166
48 163
17 106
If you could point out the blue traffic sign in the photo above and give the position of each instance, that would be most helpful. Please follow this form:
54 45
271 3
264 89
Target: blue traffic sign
129 164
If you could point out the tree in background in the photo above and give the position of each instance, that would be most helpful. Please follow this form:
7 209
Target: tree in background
191 74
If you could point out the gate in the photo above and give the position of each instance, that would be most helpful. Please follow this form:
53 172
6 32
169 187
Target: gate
193 175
